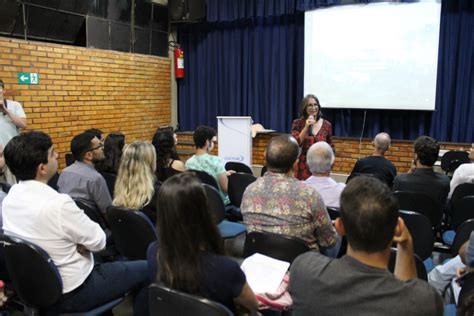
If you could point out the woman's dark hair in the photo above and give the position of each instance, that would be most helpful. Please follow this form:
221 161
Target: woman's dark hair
163 141
186 230
304 105
25 152
113 147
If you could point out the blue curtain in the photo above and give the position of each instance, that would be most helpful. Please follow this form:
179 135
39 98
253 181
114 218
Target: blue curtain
250 63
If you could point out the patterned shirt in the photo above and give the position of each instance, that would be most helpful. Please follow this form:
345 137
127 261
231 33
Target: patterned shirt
281 204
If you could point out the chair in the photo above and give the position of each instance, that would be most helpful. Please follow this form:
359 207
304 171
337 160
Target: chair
217 208
206 178
461 210
462 190
421 231
238 182
421 203
452 159
420 267
35 277
333 212
263 171
166 301
238 167
280 247
462 235
467 290
92 212
53 182
5 187
132 232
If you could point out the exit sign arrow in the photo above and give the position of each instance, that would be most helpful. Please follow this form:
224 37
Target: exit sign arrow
28 78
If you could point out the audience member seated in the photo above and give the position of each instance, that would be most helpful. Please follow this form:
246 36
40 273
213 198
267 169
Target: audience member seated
2 166
281 204
113 147
204 139
359 282
37 213
80 180
463 174
442 275
166 163
377 165
422 178
136 186
320 159
190 256
108 168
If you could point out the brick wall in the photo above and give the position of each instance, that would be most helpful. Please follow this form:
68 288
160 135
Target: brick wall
81 88
347 151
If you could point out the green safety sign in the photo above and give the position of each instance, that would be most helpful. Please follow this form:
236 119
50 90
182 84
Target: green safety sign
28 78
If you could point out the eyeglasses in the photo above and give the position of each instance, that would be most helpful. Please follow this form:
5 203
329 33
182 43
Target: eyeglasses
314 105
94 148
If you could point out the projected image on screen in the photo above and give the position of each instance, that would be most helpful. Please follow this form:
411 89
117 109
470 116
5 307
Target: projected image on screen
375 56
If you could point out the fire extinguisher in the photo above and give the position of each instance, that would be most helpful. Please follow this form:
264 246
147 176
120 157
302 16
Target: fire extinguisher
178 63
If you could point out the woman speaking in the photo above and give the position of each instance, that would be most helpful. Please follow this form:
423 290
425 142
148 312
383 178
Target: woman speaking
309 129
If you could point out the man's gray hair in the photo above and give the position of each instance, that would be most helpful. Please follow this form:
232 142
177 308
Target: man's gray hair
382 141
320 157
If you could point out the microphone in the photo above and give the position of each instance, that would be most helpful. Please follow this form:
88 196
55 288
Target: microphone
310 129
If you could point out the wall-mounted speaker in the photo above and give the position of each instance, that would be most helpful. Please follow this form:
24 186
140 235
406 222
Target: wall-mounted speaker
187 10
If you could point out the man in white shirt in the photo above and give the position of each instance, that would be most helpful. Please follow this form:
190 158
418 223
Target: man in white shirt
463 174
320 159
12 118
37 213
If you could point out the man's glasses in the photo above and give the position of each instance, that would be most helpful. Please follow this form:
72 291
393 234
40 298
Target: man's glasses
94 148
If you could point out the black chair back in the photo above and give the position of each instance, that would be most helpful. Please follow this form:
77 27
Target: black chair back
35 278
92 212
206 178
238 182
166 301
453 159
462 190
420 267
421 231
238 167
421 203
263 171
215 204
461 211
277 246
462 235
5 187
333 212
467 290
132 232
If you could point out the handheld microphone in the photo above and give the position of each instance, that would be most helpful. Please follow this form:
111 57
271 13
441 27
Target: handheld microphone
310 129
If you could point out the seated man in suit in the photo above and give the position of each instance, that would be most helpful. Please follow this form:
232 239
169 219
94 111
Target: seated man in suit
35 212
377 164
359 282
81 180
423 178
279 203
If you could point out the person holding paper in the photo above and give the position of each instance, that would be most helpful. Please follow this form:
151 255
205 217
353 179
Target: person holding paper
359 283
190 254
310 128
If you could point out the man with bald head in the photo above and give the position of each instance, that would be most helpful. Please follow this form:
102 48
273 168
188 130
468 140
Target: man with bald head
377 165
279 203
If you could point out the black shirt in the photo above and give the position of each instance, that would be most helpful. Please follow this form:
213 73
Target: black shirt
379 166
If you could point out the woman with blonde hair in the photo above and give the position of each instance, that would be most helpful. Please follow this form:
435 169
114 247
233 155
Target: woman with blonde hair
136 186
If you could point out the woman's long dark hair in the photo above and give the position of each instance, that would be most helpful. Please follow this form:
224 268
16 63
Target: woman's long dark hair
185 229
113 147
163 141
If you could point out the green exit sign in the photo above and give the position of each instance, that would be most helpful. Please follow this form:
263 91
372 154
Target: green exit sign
28 78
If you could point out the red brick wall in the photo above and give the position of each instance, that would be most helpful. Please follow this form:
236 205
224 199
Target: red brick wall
81 88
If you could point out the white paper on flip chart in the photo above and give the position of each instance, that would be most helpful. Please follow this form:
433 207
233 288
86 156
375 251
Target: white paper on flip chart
264 274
